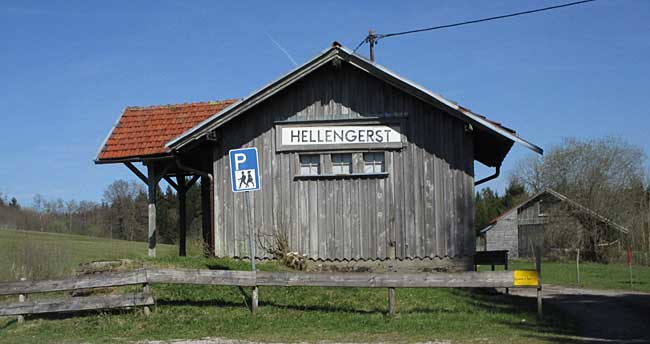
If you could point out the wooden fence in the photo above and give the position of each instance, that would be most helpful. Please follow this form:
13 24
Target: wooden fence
254 279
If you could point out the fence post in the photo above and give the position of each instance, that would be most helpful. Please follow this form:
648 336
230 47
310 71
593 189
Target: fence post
21 298
391 301
538 267
254 300
506 268
146 291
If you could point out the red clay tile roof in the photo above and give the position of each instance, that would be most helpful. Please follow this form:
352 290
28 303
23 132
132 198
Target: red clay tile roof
144 131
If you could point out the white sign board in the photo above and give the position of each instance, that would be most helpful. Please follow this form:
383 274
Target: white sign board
349 135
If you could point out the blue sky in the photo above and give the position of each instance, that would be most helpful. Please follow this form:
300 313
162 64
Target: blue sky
68 69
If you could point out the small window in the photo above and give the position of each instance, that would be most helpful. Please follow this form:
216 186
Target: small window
310 165
373 162
542 208
341 163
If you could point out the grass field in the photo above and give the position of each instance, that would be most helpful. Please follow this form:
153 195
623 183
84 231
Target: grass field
62 253
285 314
596 276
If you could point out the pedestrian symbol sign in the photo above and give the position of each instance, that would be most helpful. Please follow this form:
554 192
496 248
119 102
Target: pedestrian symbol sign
244 170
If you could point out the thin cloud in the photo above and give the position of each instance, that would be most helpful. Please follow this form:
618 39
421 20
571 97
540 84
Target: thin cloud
282 49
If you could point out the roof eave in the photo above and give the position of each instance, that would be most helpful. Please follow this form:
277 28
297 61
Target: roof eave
101 147
325 56
291 76
139 158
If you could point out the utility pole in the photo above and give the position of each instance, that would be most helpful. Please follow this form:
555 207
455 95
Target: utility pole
371 42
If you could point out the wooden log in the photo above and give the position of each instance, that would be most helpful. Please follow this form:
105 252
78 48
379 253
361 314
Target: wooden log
73 283
206 277
391 301
77 304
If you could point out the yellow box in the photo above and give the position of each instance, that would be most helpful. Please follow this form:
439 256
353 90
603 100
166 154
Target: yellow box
525 278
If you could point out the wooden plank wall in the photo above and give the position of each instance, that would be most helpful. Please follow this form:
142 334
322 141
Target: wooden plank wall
425 205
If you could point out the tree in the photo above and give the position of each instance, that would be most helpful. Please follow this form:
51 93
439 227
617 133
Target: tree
515 194
126 201
488 206
605 175
14 203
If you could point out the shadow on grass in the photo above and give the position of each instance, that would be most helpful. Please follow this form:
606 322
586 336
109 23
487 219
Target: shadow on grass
218 267
556 326
578 318
76 314
223 303
9 323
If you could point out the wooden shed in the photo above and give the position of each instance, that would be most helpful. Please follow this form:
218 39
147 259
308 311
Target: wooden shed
356 164
522 228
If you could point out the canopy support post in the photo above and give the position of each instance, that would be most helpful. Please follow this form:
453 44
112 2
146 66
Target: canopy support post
152 184
182 214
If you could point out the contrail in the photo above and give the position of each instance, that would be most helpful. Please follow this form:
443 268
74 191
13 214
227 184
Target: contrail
281 48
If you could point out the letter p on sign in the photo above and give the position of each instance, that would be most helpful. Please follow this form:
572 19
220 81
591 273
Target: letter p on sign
244 170
240 158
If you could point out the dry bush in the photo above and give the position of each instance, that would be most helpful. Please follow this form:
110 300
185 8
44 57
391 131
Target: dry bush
277 244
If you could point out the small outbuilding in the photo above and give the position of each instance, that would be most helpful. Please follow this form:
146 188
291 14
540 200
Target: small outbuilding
521 229
356 164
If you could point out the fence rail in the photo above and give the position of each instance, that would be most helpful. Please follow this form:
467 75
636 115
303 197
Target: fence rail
470 279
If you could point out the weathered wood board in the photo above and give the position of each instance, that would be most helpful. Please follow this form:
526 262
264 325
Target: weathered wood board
422 204
75 283
71 304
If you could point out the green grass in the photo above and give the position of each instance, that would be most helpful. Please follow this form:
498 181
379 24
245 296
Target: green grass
285 314
592 275
68 251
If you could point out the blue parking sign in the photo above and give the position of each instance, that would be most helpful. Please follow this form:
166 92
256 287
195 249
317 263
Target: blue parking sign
244 170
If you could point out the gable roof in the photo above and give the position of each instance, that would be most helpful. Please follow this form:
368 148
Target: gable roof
492 132
560 197
141 132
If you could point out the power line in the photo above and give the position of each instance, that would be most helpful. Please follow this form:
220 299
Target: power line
376 37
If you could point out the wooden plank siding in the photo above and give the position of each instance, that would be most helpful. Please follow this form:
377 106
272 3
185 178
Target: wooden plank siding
424 205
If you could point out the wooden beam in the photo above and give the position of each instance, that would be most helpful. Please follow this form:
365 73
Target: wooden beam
137 172
78 282
202 277
68 304
151 188
182 214
171 182
206 215
496 279
162 171
192 181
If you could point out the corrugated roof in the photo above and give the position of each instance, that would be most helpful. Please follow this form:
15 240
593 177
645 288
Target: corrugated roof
560 197
141 132
327 55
